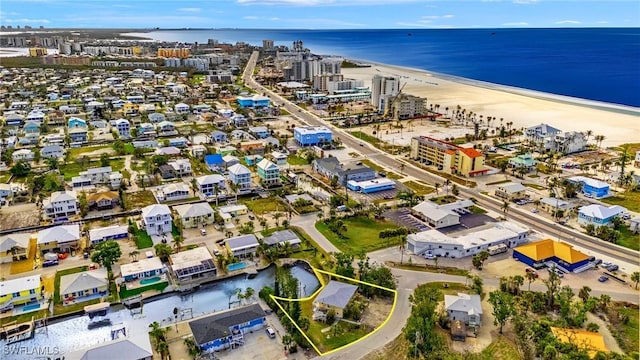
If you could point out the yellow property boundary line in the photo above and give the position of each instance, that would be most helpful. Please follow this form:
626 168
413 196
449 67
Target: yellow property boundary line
318 274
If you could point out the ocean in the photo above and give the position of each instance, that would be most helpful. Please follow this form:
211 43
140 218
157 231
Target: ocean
601 64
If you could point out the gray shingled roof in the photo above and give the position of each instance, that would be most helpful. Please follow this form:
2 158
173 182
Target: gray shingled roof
242 242
218 325
336 294
123 350
282 237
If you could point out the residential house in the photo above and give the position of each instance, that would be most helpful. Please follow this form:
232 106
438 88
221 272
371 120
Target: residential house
591 187
103 200
81 183
226 329
269 173
165 127
210 185
166 172
195 215
97 175
233 210
78 135
230 160
173 192
113 232
115 180
255 101
156 118
22 155
440 216
242 246
144 268
14 247
279 158
75 122
124 128
464 307
260 132
551 204
129 348
62 238
598 215
569 142
523 161
511 191
60 205
145 144
84 286
130 109
252 160
194 264
29 139
542 135
218 136
252 147
146 130
334 296
636 161
181 108
20 291
198 151
281 238
31 128
331 167
214 162
36 116
156 219
181 167
13 119
239 120
168 151
52 152
240 176
447 157
312 135
56 118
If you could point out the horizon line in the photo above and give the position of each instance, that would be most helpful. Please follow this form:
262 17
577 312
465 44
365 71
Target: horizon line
320 29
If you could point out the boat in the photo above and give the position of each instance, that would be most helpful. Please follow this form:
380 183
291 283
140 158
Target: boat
99 309
17 332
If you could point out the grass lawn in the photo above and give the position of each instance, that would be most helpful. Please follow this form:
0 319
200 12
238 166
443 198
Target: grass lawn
447 288
260 206
366 137
129 149
297 160
139 199
26 317
499 182
446 199
628 334
142 239
628 239
159 286
5 177
74 153
477 210
380 169
534 186
56 284
71 169
428 268
629 200
419 188
394 176
361 235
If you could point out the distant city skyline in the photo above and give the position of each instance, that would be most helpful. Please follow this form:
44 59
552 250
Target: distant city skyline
319 14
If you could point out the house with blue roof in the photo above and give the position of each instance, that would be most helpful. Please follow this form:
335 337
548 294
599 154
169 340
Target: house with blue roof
591 187
214 162
31 127
252 160
255 101
75 122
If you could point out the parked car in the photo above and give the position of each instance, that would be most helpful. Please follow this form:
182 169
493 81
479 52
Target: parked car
603 278
558 272
50 263
203 232
613 267
607 264
535 211
271 333
429 256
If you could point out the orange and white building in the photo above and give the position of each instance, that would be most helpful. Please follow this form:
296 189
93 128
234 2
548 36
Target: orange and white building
448 157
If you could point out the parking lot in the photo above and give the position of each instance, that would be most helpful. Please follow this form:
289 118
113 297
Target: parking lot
404 218
468 221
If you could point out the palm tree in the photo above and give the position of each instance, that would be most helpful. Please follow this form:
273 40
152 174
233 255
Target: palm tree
277 216
177 242
505 208
531 277
588 133
635 277
584 293
134 254
437 187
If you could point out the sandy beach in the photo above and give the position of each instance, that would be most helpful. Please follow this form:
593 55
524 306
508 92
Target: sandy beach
619 124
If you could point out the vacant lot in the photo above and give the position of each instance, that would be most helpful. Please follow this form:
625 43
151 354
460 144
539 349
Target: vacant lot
361 235
139 199
18 216
629 200
260 206
419 188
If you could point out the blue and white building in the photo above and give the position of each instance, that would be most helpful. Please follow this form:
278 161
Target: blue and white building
114 232
208 184
312 135
226 329
124 128
598 215
591 187
371 186
240 176
255 101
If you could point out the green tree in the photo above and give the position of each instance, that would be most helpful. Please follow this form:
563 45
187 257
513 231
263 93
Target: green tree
83 204
420 330
20 169
635 277
104 160
163 251
502 307
531 277
107 253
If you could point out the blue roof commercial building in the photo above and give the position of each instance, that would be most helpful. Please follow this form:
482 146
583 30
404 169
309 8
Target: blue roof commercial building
371 186
255 101
592 187
312 135
226 329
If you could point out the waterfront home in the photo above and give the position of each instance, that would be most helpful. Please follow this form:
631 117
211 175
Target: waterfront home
22 155
195 215
240 176
84 286
598 215
14 247
242 246
268 172
226 329
334 296
208 184
62 238
20 291
193 264
156 219
464 307
511 191
128 348
281 238
181 167
144 268
312 135
113 232
60 205
542 135
591 187
173 192
52 152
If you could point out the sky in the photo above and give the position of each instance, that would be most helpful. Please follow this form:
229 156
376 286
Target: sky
320 14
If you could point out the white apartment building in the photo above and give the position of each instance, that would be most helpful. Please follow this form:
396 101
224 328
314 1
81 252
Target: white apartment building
381 88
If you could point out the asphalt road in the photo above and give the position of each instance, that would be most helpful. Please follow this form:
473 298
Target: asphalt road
392 162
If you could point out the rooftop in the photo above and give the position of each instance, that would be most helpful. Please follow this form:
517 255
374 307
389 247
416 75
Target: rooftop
190 258
548 248
143 265
218 325
337 294
19 284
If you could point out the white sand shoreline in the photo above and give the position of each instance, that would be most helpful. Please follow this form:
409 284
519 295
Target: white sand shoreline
523 107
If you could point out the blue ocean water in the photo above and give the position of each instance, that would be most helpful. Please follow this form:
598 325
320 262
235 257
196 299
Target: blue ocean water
592 63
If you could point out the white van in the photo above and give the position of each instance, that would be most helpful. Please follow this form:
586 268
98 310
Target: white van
271 333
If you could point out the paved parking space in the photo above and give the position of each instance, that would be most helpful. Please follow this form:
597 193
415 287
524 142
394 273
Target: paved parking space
404 218
470 221
386 194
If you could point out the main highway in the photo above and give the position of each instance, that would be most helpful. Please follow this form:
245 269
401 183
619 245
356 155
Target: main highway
389 161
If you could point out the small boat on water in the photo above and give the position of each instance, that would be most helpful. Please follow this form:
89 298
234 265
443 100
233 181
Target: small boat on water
17 332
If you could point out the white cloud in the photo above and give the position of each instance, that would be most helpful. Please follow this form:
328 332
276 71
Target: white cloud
517 23
250 17
189 9
602 22
27 21
564 22
314 22
274 18
525 2
448 16
322 2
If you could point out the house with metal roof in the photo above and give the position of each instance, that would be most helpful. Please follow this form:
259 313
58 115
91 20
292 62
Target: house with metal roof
242 246
20 291
144 268
128 348
84 286
334 296
113 232
464 307
282 237
552 253
63 238
195 215
14 247
511 191
226 329
440 216
207 184
591 187
598 215
156 219
525 161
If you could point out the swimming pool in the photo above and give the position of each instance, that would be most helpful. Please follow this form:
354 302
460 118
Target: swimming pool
236 266
148 281
30 307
